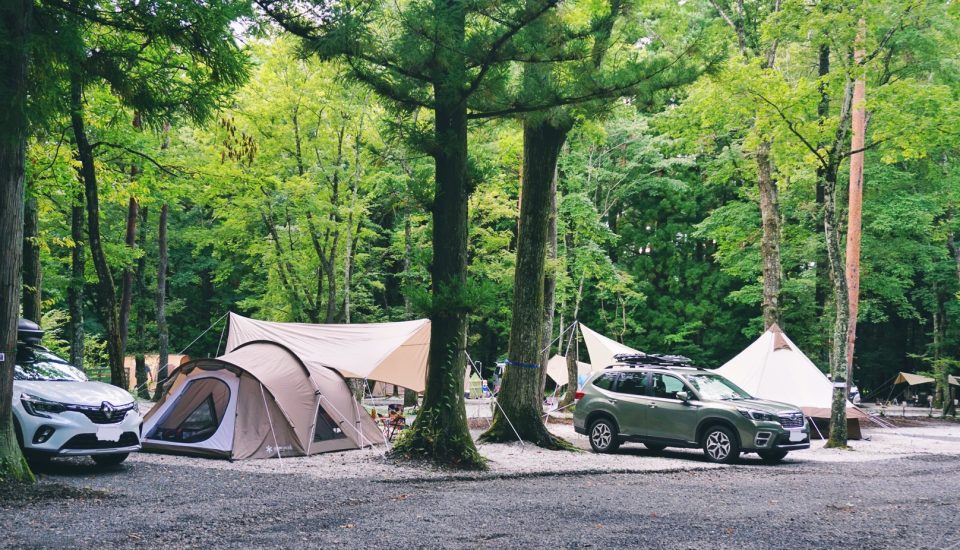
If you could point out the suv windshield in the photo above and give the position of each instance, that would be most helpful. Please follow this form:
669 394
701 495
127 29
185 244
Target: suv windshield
39 364
714 386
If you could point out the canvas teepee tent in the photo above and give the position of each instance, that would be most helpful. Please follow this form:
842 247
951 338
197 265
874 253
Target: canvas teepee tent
774 368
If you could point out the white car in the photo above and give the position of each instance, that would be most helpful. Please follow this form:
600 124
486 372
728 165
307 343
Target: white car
58 412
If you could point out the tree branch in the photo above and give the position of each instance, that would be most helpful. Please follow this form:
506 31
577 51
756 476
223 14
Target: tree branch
791 127
148 158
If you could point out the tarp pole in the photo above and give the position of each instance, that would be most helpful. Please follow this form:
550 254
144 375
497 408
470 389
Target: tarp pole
367 391
313 426
814 424
270 421
495 402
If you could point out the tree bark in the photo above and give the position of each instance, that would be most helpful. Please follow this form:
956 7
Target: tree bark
549 287
140 306
770 243
838 355
855 202
822 283
15 17
77 281
126 283
521 408
163 336
106 297
32 274
440 431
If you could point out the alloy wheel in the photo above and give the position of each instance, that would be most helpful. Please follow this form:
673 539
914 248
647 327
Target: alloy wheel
718 445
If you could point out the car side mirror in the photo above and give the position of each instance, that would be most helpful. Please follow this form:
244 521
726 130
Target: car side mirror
683 396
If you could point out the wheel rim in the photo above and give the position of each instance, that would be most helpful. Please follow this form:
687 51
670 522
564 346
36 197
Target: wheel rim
601 436
718 445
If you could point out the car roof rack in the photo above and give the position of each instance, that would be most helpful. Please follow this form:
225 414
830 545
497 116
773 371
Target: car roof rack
29 332
656 360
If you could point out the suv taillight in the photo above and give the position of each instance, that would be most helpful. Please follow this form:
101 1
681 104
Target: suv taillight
578 396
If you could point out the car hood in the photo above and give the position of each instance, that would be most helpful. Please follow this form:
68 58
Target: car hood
773 407
73 393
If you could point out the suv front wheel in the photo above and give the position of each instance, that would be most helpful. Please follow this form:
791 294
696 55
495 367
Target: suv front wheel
720 445
603 436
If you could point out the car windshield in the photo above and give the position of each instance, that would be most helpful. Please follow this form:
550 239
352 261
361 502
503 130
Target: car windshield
40 364
714 386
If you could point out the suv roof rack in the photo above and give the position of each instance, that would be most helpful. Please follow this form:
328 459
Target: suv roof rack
654 360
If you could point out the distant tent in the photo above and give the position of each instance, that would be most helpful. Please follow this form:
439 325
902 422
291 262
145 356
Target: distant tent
912 379
557 370
258 401
774 368
602 349
395 353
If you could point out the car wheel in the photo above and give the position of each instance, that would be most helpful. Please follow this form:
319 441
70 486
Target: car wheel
603 436
721 445
109 460
655 447
773 456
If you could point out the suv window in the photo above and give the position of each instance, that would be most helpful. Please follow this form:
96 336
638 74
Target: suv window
667 386
605 381
632 383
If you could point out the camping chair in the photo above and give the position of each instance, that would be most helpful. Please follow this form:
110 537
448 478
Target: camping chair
394 422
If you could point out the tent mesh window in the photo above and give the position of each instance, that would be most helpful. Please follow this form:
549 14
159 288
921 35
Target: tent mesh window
326 429
197 413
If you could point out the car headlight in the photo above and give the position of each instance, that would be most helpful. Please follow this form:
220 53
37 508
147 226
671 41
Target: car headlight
759 416
38 406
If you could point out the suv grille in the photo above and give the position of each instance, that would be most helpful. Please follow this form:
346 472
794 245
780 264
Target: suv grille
102 414
791 420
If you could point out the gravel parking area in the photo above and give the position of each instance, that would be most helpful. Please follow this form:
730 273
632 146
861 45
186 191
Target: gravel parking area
881 494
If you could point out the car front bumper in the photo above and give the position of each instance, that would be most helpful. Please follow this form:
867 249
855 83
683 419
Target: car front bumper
766 436
74 434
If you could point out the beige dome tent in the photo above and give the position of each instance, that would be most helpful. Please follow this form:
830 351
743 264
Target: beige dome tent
774 368
257 401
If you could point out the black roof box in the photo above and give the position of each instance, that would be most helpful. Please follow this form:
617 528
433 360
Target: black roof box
29 332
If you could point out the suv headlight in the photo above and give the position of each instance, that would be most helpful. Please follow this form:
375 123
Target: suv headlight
758 416
38 406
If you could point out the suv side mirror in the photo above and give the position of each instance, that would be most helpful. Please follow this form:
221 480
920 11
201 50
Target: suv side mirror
683 396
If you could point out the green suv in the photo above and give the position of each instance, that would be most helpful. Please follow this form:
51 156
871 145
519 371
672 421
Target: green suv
656 400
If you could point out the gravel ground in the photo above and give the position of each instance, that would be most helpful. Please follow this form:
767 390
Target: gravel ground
897 490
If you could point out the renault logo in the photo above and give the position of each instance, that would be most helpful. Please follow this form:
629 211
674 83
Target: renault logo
107 408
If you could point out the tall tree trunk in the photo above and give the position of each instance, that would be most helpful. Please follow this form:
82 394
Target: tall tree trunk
32 275
549 287
140 306
822 282
855 202
573 372
408 263
15 17
77 281
106 290
521 408
440 431
770 243
838 354
126 283
163 336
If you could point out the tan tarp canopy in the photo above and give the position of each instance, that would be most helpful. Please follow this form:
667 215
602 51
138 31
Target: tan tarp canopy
257 401
774 368
602 349
912 379
953 380
557 370
395 353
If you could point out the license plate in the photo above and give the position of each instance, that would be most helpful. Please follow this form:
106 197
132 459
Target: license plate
109 434
797 436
